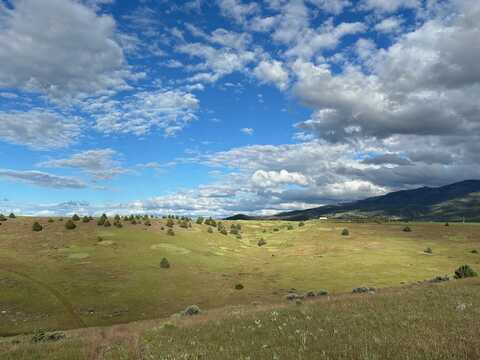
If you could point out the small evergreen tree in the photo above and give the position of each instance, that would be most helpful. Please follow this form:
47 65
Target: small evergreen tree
12 216
345 232
37 227
164 263
200 220
86 219
70 225
75 217
170 223
107 223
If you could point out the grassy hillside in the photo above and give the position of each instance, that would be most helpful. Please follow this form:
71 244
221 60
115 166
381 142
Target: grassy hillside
97 276
416 322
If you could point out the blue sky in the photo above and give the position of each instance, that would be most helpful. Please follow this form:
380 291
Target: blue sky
217 107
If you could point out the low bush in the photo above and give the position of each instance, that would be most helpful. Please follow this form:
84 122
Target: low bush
12 216
70 225
428 250
345 232
37 227
164 263
170 232
290 227
407 229
51 220
301 224
191 310
2 218
261 242
75 217
107 223
86 219
210 230
238 286
465 271
101 221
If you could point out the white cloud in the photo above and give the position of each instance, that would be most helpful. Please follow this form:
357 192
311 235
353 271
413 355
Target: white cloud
39 129
332 6
169 110
237 10
42 179
247 131
99 164
391 24
389 6
272 72
60 48
273 178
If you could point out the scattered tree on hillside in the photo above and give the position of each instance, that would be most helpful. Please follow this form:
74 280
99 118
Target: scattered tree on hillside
70 225
37 227
200 220
164 263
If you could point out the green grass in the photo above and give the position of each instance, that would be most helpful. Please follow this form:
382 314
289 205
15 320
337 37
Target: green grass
415 322
65 279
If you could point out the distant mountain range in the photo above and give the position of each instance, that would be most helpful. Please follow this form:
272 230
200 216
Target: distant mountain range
454 202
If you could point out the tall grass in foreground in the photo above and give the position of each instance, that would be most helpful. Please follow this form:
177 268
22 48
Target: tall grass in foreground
421 322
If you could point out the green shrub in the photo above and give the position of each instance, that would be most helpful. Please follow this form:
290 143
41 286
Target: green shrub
170 232
474 251
86 219
407 229
12 216
2 218
101 221
164 263
301 224
118 224
465 271
261 242
134 222
51 220
210 230
107 223
170 223
239 286
345 232
200 220
37 227
70 225
147 223
290 227
428 250
75 217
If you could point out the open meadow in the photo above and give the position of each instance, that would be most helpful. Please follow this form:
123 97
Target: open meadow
96 276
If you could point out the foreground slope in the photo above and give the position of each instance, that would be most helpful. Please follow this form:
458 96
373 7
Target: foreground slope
440 321
454 202
98 276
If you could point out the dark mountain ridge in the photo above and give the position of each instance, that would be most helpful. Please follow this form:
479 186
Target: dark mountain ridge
455 202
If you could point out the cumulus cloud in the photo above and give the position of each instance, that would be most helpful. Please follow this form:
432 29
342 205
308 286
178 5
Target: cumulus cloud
42 179
272 72
60 48
263 178
389 25
100 164
39 129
